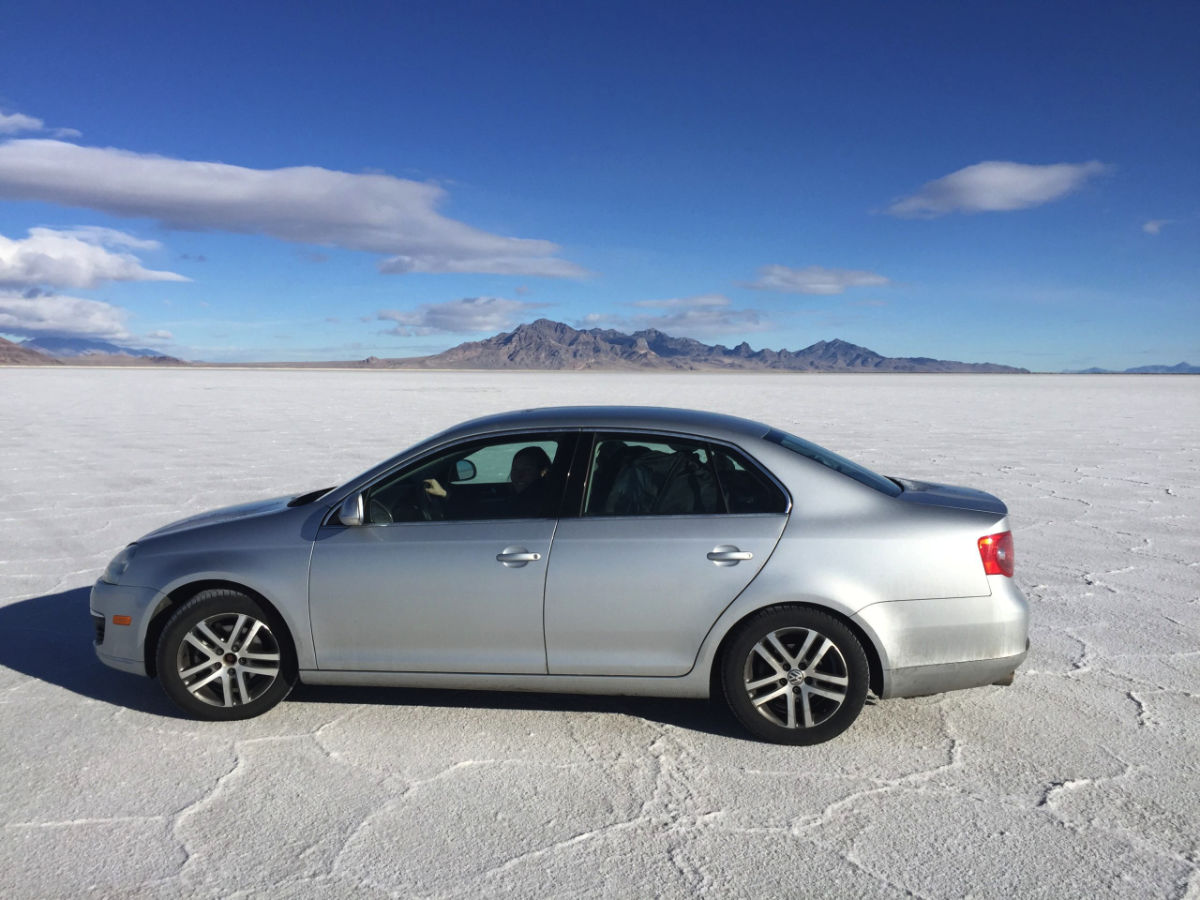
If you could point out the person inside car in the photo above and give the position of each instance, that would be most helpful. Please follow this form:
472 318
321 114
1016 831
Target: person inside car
526 475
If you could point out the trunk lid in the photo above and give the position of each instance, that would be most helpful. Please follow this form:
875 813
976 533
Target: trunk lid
931 494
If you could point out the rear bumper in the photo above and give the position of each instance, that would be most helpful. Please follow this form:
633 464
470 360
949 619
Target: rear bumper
931 646
919 681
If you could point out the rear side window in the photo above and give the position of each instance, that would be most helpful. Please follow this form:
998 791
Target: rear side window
831 460
745 487
634 475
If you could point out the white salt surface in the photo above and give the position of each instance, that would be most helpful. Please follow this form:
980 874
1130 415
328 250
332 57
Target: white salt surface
1082 779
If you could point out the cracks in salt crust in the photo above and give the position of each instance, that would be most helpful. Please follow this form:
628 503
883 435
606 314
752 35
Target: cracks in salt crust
176 819
954 760
1083 662
1143 711
1050 794
75 823
612 827
1055 495
1189 884
335 863
1188 888
806 829
669 809
1155 688
1092 581
336 720
811 826
677 801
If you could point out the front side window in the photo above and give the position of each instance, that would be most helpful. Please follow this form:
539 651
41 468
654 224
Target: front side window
507 477
654 475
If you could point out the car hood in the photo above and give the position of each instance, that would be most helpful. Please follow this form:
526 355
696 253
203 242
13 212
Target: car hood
949 495
223 515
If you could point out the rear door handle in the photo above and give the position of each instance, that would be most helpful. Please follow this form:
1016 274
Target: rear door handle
518 557
728 555
515 557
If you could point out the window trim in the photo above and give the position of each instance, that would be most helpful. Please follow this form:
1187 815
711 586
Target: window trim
834 462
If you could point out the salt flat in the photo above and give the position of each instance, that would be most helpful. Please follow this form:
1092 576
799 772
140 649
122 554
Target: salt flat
1082 779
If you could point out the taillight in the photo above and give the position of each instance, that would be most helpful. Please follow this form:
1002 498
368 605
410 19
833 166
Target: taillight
996 551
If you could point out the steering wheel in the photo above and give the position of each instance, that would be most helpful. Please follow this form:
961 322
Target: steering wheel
424 503
431 507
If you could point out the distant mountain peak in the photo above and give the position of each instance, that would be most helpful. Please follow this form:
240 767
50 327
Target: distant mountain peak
547 344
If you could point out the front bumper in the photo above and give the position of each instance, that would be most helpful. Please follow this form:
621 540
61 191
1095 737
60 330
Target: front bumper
931 646
119 645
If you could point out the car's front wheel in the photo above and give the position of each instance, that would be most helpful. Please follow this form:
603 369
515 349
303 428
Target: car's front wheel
222 656
794 675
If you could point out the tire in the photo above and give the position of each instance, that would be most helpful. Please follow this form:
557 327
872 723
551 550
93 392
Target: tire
793 675
223 656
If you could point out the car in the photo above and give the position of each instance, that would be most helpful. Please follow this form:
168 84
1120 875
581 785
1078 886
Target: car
600 550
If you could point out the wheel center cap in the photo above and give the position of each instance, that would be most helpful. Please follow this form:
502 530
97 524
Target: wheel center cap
796 676
229 659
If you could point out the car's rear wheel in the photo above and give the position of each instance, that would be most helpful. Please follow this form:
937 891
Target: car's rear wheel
223 656
794 675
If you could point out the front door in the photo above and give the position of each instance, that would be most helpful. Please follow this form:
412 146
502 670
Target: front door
448 572
430 597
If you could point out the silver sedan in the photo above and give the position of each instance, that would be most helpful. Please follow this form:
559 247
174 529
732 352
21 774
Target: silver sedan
604 550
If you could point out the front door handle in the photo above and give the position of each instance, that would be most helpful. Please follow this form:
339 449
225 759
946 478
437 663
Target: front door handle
728 555
515 557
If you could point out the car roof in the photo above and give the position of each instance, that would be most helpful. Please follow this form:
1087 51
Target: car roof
650 418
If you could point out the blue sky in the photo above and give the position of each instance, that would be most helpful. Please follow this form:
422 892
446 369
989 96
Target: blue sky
1013 183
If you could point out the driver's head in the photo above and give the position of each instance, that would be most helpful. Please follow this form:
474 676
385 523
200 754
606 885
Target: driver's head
529 465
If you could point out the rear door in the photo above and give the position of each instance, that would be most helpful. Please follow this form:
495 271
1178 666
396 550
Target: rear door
671 530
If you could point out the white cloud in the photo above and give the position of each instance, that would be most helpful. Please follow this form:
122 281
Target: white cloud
703 314
305 204
75 258
1155 226
701 301
466 316
15 123
814 280
996 187
32 313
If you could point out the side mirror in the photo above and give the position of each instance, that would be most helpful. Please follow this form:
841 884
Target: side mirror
351 512
464 470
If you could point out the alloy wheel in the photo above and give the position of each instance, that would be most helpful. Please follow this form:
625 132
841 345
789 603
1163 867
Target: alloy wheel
229 659
796 677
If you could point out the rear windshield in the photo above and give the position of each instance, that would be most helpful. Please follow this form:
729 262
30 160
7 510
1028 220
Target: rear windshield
833 461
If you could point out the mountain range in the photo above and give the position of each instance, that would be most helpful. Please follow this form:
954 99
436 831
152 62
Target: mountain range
548 345
1177 369
49 351
15 355
64 347
545 344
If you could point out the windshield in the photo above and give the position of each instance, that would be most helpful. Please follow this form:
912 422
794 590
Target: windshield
833 461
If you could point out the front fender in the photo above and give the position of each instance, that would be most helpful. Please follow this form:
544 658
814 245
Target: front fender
279 577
